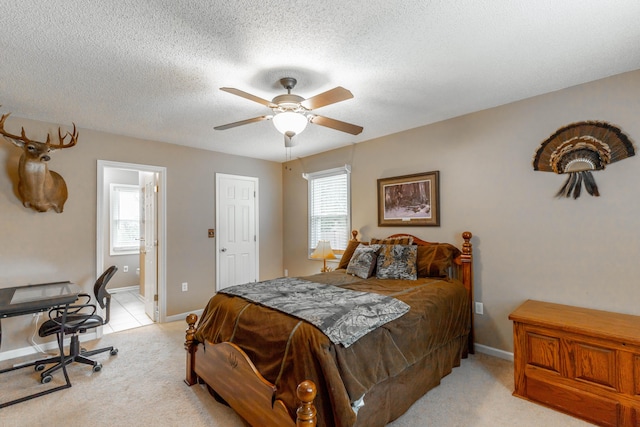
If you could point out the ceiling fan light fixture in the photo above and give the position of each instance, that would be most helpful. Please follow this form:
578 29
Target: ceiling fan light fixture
289 121
292 113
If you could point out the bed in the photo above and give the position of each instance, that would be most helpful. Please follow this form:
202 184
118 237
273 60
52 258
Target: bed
275 369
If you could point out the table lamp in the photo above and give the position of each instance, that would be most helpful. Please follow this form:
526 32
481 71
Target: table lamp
324 252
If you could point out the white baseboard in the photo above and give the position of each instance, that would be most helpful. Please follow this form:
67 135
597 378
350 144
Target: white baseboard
50 345
183 316
494 352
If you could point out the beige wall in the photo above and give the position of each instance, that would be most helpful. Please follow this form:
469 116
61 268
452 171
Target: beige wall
527 244
38 247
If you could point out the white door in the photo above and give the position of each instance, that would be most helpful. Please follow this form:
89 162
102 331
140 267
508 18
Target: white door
149 245
237 230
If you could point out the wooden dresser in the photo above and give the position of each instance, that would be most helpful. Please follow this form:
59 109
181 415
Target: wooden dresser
582 362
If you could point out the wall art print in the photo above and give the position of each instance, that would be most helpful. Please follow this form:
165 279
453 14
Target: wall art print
409 200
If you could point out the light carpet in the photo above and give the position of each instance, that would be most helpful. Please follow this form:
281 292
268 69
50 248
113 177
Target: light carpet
143 385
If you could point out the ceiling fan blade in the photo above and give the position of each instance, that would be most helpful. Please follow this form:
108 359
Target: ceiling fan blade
248 96
326 98
337 125
243 122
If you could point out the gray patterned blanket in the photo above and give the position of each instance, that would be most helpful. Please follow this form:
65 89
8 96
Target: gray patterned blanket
342 314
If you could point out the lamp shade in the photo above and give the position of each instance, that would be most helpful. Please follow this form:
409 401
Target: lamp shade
290 122
323 250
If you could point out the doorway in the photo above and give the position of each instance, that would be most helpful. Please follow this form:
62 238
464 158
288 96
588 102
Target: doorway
237 222
139 290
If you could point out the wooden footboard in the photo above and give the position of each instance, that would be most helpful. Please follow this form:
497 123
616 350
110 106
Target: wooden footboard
230 373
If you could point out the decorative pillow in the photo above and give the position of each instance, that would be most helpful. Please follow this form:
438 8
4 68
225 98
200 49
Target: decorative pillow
404 240
397 262
363 261
435 259
348 253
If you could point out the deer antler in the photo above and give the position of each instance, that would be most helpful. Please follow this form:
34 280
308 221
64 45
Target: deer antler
72 141
22 138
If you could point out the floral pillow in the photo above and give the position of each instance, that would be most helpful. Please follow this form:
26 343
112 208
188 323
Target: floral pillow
363 261
397 262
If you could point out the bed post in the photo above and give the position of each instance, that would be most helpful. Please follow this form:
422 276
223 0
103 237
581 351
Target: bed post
306 413
467 280
191 346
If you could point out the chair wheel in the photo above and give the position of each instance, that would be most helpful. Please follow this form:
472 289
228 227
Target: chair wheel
97 367
46 379
114 352
39 368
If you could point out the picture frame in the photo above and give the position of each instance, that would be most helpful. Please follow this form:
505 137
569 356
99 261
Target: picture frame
409 200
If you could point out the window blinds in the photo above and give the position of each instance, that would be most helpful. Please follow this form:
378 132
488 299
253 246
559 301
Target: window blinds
329 216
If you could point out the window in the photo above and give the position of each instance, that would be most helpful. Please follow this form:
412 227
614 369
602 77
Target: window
329 208
125 219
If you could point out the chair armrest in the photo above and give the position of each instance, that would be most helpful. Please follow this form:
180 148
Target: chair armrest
59 315
83 295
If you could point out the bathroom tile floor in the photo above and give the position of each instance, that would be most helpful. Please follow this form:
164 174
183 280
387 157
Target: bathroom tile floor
127 312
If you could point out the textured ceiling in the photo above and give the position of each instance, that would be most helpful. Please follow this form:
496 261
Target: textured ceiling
153 69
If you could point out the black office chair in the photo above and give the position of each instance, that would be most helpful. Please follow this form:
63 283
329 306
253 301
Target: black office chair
73 320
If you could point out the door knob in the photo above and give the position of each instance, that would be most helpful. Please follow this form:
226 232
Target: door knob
223 250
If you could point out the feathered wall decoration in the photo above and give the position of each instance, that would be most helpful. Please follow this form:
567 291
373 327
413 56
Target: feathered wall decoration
578 149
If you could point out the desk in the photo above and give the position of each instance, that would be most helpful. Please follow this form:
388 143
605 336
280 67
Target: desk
21 300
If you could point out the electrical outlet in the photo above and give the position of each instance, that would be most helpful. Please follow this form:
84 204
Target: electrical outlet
125 269
185 286
479 308
286 272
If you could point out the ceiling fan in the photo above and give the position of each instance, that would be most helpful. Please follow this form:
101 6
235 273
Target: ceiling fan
291 113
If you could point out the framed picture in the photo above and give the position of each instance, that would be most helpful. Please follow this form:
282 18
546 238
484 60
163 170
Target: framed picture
412 200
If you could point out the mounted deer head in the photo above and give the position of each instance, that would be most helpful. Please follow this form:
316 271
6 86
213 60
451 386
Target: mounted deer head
38 187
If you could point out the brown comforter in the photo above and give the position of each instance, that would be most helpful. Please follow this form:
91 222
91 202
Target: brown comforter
287 350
